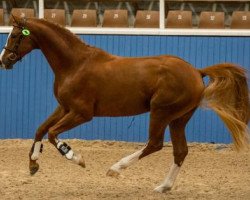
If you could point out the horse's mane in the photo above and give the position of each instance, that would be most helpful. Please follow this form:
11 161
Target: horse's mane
66 35
61 30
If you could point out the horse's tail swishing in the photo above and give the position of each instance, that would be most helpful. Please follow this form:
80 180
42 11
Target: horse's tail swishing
227 94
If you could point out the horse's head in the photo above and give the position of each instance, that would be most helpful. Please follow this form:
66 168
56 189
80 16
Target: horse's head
19 43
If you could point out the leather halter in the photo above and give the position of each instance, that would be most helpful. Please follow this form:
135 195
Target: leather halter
14 50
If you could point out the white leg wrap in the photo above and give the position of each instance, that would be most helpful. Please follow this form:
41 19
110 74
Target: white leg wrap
36 151
69 155
170 179
127 161
59 143
66 150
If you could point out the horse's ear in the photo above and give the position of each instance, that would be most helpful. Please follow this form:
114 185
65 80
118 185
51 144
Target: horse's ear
16 20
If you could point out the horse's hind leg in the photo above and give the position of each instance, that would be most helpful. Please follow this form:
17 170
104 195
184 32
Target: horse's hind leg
180 150
40 133
158 123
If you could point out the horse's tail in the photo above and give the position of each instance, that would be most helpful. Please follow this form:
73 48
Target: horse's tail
227 94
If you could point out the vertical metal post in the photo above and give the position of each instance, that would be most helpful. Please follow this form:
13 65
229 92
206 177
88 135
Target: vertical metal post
131 16
162 14
5 13
41 9
182 6
68 17
214 7
151 4
246 6
35 8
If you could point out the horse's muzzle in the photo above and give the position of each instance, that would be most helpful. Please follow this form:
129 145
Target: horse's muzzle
5 65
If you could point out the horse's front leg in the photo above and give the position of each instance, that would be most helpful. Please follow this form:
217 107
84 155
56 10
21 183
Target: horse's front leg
40 133
70 120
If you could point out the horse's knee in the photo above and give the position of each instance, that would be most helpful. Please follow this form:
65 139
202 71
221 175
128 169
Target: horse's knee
179 156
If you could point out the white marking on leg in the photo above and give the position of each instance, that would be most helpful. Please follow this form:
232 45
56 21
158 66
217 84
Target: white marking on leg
3 51
78 159
36 151
169 180
127 161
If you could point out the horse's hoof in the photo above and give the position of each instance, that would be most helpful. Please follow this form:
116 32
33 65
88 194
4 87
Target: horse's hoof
162 189
77 158
82 163
112 173
34 168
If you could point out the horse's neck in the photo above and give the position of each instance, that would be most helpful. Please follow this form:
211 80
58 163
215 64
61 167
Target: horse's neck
60 47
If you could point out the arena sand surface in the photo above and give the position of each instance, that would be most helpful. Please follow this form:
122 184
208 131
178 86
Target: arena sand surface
209 172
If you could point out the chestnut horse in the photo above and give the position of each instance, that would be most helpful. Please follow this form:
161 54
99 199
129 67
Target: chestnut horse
91 82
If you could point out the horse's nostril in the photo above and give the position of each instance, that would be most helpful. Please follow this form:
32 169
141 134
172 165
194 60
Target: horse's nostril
12 57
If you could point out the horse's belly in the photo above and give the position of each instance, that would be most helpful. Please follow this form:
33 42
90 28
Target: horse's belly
110 112
121 107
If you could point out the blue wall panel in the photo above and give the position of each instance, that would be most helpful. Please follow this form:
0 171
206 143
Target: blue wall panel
26 92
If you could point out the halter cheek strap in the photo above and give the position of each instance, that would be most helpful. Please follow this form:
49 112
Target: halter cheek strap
14 50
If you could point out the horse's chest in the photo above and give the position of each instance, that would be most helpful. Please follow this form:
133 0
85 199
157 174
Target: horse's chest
63 90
